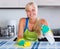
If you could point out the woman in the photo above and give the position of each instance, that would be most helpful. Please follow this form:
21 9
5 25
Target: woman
32 22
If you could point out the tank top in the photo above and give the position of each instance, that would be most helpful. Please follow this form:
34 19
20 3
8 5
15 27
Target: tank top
32 36
29 35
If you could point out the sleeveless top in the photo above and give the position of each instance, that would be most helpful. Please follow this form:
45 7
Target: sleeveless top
29 35
32 36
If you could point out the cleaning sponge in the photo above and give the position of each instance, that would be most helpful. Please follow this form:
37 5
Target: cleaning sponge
23 43
27 44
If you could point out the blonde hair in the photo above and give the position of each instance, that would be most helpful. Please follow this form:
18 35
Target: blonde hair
29 4
36 27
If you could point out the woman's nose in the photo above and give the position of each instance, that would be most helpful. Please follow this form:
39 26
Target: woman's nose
31 13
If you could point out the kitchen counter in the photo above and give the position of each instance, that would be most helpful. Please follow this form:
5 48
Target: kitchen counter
10 39
10 44
34 45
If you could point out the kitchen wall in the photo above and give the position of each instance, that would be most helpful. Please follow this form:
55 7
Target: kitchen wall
10 14
51 14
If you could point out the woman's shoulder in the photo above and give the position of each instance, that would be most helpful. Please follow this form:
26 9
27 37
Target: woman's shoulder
43 21
22 20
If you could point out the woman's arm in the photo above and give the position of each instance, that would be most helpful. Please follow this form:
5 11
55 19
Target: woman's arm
21 28
44 26
43 21
47 32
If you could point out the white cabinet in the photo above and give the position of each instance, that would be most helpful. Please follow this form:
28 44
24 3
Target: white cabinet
9 3
22 3
49 2
14 3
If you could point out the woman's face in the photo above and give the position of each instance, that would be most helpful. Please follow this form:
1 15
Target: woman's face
32 12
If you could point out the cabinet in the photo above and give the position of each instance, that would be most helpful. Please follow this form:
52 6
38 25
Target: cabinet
49 2
14 3
9 3
22 3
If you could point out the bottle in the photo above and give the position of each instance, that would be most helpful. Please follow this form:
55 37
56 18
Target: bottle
49 36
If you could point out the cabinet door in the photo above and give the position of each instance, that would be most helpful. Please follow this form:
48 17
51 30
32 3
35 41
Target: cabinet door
9 3
14 3
49 2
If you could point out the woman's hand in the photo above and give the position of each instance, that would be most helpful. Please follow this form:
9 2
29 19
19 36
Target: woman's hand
22 42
